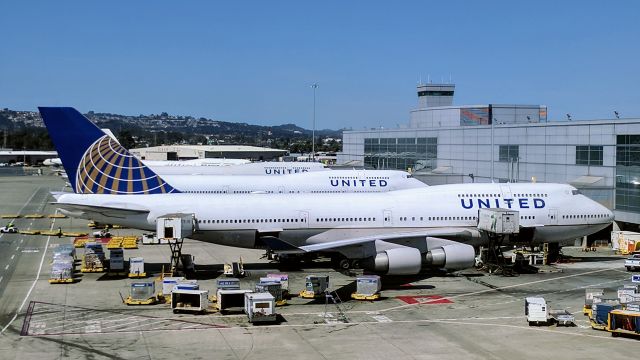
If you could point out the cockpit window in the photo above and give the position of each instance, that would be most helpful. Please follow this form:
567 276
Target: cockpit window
576 192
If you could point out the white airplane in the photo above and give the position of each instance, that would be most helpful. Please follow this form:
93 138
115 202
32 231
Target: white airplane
397 232
52 162
196 162
335 181
256 168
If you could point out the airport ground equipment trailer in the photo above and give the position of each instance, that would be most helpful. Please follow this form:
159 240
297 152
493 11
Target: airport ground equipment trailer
315 286
367 287
538 313
624 322
272 286
589 294
230 300
116 262
136 267
600 314
188 300
142 293
284 280
260 307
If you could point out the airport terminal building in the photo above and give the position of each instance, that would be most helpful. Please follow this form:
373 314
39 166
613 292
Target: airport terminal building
444 143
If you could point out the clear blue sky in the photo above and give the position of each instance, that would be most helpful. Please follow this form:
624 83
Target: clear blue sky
254 61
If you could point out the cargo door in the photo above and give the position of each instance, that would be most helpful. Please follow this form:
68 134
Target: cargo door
506 192
553 217
387 218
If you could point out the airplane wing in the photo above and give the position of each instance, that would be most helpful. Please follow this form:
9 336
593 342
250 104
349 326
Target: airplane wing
341 241
86 211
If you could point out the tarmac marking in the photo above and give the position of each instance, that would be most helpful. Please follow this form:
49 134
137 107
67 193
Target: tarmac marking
6 267
35 281
13 256
21 241
17 248
1 278
502 288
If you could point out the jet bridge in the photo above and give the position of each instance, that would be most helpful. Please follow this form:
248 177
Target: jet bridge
173 228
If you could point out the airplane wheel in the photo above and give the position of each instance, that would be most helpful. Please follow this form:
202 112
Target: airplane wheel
344 264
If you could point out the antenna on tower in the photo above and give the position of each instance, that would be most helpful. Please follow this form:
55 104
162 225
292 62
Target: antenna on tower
449 78
429 79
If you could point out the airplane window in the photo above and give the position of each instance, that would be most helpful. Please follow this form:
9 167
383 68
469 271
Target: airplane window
413 218
359 219
374 219
420 218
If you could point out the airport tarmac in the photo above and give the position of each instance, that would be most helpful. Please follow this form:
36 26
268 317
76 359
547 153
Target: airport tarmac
467 315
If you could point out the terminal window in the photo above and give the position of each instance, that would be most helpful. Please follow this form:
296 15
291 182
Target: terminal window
628 173
509 153
589 155
401 153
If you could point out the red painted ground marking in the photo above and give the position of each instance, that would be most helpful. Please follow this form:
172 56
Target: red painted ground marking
424 299
407 285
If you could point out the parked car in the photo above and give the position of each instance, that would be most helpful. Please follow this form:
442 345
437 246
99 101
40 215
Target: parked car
633 262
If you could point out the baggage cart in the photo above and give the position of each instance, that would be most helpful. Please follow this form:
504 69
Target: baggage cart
315 286
230 300
189 300
142 293
136 267
367 287
260 307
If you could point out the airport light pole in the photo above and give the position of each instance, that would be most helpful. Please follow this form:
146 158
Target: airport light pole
314 86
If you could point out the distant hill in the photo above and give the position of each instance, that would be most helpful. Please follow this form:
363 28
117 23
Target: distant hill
158 129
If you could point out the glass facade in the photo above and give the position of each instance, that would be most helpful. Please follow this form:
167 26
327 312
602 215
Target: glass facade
628 173
589 155
509 153
401 153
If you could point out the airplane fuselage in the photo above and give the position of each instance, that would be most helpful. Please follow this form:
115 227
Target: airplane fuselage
557 212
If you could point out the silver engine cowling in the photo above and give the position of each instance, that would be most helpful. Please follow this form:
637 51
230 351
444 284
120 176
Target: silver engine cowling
451 257
399 261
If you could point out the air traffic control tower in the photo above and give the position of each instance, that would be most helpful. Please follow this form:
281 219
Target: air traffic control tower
433 95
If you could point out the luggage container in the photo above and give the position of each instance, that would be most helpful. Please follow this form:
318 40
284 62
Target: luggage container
92 261
187 285
273 287
315 285
142 293
230 300
169 282
260 307
367 287
284 280
536 310
189 300
228 284
589 294
62 270
136 267
628 293
633 306
600 317
623 322
116 262
96 248
149 239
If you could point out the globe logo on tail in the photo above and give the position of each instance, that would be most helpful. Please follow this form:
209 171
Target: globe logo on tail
108 168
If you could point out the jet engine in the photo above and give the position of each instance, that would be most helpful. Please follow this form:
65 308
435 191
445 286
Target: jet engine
397 261
451 257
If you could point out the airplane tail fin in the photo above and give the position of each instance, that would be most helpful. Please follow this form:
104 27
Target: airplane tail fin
94 162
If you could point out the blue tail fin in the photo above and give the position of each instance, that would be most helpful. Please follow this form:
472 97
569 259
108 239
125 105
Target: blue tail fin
94 162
